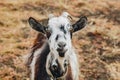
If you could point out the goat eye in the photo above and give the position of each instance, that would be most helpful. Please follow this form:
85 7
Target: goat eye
66 64
71 29
47 29
48 32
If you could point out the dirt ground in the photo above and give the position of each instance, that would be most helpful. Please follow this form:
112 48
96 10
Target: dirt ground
98 45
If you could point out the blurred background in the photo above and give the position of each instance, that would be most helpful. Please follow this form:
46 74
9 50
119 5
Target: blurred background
98 44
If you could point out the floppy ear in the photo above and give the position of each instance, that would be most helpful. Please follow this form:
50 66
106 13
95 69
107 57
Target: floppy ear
81 23
36 25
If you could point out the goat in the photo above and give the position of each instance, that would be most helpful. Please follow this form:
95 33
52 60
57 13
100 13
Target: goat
52 56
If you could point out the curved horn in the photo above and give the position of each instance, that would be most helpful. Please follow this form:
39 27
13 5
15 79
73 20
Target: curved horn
51 16
67 15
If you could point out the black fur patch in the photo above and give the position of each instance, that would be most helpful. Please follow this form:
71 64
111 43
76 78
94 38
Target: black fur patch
63 29
57 37
71 35
48 34
40 65
57 72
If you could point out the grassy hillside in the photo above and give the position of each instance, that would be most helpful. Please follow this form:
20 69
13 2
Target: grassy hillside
98 44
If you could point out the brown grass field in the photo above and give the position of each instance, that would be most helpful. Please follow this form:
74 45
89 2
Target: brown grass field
98 45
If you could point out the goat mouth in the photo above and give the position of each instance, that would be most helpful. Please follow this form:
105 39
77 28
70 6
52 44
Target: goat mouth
61 52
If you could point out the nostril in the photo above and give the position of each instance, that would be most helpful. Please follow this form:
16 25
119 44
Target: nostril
61 44
64 45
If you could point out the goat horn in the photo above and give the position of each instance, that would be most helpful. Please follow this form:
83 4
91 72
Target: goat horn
65 14
51 16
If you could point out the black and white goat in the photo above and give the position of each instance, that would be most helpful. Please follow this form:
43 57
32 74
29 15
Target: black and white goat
52 56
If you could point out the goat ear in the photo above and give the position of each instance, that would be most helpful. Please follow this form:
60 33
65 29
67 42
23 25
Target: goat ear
36 25
81 23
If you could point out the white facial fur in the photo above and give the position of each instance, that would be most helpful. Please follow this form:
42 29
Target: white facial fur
54 25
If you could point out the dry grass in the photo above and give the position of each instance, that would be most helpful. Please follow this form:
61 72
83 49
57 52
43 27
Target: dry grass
98 45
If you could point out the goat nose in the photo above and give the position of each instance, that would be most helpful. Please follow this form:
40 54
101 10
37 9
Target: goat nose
61 44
